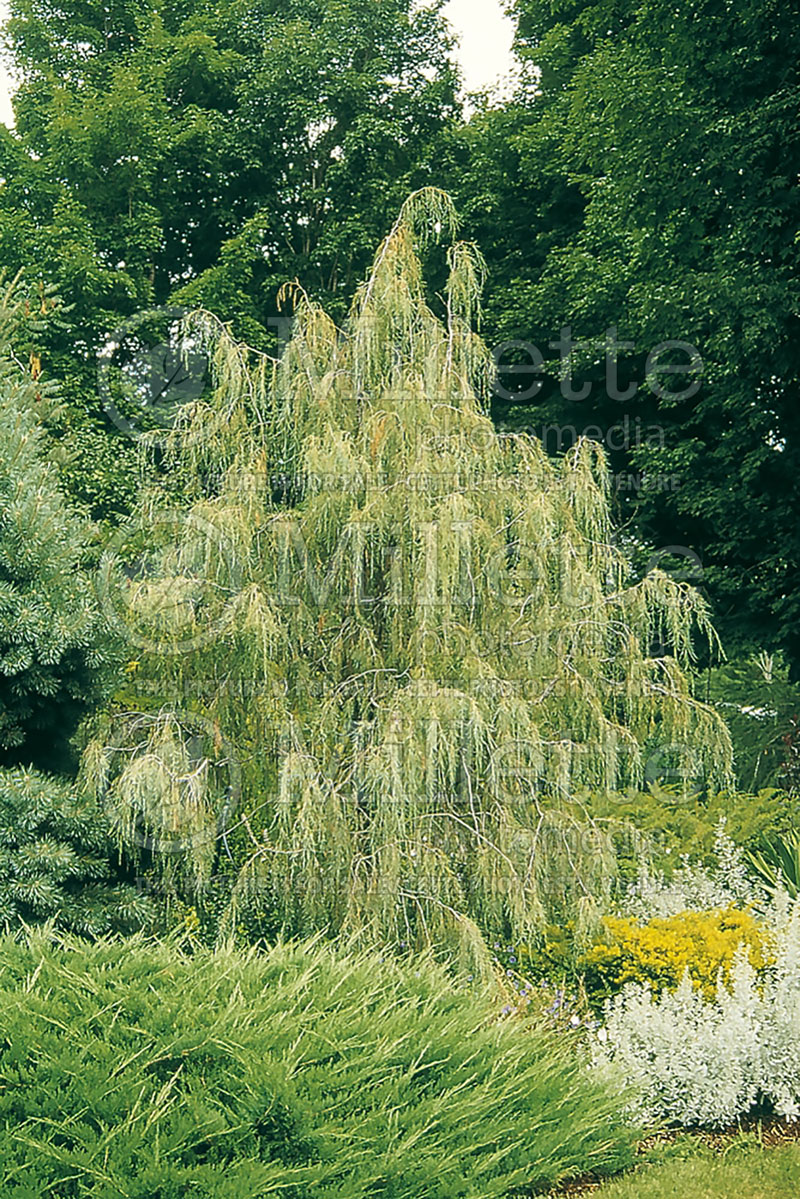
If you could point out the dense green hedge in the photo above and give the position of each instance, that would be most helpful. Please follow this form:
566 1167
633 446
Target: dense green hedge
130 1069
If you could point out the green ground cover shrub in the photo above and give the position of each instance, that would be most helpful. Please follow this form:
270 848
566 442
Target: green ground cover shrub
668 823
132 1069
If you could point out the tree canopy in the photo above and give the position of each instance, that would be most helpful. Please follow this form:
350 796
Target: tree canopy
650 173
202 155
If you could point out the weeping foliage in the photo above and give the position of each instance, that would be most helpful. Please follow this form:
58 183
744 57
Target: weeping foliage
419 635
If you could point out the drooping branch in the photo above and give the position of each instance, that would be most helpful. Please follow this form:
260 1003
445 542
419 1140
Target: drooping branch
434 641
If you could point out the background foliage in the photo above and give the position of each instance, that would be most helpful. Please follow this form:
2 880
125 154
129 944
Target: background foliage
644 180
181 153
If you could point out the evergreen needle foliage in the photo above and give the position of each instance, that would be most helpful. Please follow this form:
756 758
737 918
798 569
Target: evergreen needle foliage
54 647
56 860
129 1069
420 636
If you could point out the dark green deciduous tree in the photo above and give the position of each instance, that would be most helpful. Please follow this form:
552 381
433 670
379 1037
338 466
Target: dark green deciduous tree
202 154
673 136
46 232
761 708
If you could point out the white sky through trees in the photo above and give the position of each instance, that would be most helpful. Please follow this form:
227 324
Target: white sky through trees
6 115
484 32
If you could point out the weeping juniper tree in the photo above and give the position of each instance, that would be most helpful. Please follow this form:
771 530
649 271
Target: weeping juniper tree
414 637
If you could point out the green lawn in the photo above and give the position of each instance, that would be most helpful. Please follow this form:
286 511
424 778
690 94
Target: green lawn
743 1171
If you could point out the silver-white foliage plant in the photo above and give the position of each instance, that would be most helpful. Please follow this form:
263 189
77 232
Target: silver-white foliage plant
694 887
693 1061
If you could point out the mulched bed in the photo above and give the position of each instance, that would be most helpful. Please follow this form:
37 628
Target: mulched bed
771 1130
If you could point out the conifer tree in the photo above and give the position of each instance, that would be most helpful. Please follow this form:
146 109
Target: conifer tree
416 636
57 862
54 648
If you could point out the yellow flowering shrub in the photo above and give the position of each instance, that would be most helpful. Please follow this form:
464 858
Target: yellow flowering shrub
661 950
